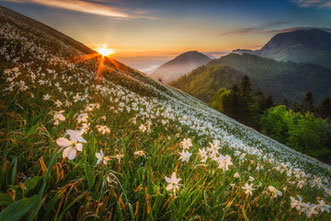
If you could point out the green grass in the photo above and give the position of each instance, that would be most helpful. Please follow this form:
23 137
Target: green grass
78 189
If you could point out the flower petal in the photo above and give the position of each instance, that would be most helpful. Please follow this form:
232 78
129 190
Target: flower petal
168 179
71 153
169 187
79 147
81 139
63 142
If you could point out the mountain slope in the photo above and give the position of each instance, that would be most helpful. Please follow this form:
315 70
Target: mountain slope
180 65
204 81
80 140
280 79
302 46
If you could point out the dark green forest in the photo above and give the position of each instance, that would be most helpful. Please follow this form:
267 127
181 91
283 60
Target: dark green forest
302 126
280 79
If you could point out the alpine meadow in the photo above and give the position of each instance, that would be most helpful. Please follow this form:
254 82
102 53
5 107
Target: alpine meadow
84 136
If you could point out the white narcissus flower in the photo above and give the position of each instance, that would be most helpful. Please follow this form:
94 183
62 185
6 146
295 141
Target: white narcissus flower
68 103
73 145
236 175
296 203
301 183
103 129
185 155
101 157
186 143
58 103
312 210
274 191
58 116
82 118
215 146
224 162
203 155
173 182
213 149
248 188
46 97
142 128
323 206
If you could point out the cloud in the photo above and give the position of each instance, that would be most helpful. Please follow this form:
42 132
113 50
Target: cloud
255 29
313 3
216 54
96 7
149 69
269 28
295 29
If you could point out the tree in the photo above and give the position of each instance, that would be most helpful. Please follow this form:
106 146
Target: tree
307 133
258 94
217 100
296 107
274 123
230 102
235 89
324 109
307 104
267 102
285 102
246 87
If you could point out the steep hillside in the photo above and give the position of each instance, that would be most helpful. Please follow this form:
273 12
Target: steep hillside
302 46
280 79
204 81
180 65
80 140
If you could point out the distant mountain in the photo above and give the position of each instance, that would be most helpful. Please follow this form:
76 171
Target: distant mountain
280 79
303 46
180 65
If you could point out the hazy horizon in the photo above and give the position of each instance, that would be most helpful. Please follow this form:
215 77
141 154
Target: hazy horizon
146 34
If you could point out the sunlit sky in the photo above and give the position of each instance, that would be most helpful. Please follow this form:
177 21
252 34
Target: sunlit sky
162 29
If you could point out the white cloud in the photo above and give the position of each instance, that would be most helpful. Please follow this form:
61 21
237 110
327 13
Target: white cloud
313 3
80 6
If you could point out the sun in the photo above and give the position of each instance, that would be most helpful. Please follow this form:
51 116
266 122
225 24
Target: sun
104 51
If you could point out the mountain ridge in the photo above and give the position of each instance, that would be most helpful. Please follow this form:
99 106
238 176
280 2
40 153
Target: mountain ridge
273 77
301 46
180 65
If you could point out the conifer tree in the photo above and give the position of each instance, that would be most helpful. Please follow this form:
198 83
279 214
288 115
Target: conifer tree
324 109
285 103
307 104
246 87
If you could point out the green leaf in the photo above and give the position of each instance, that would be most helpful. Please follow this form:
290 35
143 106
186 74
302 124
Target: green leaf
5 199
31 183
71 204
51 206
89 176
17 210
14 171
32 130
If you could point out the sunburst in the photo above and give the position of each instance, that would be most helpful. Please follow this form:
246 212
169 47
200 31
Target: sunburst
100 54
104 51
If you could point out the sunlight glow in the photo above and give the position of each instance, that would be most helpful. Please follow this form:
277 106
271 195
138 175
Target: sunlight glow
105 51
